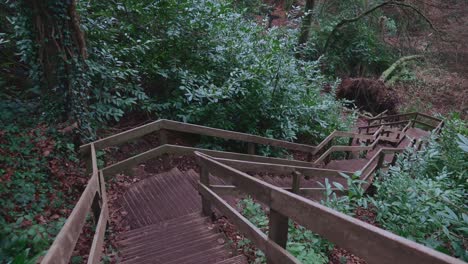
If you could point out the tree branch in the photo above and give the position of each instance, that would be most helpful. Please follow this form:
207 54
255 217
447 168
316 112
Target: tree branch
367 12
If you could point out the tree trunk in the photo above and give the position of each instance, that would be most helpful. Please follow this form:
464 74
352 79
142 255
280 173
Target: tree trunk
306 22
59 54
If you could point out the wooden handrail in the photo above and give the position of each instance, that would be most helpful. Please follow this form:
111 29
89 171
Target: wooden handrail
276 253
64 243
170 125
373 244
124 165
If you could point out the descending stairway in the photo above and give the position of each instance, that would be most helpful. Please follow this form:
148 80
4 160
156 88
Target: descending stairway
164 212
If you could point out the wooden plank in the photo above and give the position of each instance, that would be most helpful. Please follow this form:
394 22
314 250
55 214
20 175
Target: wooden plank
392 116
125 165
63 245
373 244
251 148
308 192
98 239
163 137
246 183
296 183
205 180
430 117
225 134
247 166
94 159
325 141
385 124
245 157
278 228
123 137
174 149
225 189
424 124
254 234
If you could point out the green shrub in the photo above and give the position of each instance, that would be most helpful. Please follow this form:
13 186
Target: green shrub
422 197
201 62
306 246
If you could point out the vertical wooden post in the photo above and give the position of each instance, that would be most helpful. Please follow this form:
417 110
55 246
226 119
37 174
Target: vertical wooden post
163 139
394 159
296 182
205 180
350 143
414 119
278 230
328 158
420 145
96 207
381 160
251 148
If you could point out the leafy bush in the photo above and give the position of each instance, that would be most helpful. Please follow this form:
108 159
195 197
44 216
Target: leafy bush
356 49
306 246
201 62
422 197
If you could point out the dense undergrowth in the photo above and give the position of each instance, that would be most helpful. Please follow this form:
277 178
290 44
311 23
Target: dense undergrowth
422 197
38 184
70 68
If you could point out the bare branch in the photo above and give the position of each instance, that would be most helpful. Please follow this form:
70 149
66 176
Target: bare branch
367 12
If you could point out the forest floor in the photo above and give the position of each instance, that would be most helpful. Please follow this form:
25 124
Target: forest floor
440 84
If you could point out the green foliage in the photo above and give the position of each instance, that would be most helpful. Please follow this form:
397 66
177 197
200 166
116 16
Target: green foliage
422 197
357 49
29 182
21 245
306 246
202 62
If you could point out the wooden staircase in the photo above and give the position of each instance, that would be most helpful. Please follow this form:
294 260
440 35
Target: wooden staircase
164 213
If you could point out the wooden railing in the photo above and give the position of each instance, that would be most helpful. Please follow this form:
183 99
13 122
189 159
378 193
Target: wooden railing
94 200
373 244
415 117
162 126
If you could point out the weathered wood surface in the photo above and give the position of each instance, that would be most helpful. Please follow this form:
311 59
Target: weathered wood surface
371 243
63 245
260 240
169 125
125 165
257 167
98 239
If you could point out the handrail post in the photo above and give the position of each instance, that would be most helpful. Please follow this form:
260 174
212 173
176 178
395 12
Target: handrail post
163 139
328 157
251 148
205 180
278 230
415 119
296 182
381 160
394 159
350 143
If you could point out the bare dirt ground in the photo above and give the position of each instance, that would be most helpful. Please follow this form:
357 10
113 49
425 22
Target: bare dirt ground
441 83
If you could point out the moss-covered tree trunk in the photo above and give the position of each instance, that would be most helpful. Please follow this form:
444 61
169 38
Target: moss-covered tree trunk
306 22
58 55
